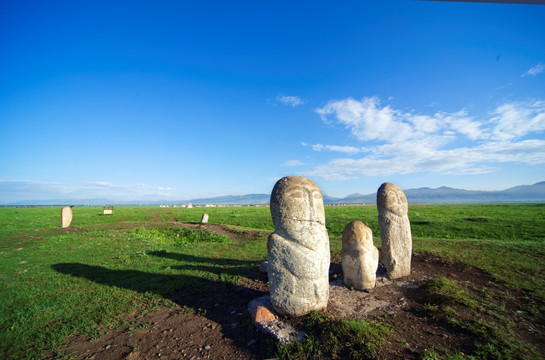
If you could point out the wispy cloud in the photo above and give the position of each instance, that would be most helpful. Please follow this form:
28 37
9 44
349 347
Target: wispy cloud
368 120
517 119
403 142
290 100
455 161
136 188
293 163
337 148
538 69
36 190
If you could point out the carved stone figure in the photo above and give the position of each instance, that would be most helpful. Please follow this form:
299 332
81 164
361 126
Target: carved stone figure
359 256
298 250
66 216
395 230
204 218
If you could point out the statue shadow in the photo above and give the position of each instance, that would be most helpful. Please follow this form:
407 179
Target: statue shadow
223 301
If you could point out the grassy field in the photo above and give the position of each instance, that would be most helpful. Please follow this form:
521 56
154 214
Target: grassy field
40 305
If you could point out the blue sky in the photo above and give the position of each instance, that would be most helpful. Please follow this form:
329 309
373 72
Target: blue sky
174 100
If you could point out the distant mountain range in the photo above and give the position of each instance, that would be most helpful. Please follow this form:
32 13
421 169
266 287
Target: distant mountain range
425 195
447 195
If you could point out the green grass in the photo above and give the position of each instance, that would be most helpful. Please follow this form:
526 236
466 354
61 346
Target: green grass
493 339
178 236
337 339
55 282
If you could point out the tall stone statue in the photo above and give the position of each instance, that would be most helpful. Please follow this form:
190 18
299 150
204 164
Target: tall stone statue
298 249
66 216
359 256
395 230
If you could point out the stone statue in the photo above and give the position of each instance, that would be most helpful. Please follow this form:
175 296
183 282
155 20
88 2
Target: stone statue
66 216
395 230
298 250
204 218
359 256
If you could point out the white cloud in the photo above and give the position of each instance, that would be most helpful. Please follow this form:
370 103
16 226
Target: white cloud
423 123
527 151
337 148
36 190
462 123
293 163
135 188
455 161
503 86
539 68
515 120
101 183
401 142
290 100
366 119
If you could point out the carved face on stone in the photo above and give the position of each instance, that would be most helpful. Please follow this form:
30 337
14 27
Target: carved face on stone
357 234
391 198
297 210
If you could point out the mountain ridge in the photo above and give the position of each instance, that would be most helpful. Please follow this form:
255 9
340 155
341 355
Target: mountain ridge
440 195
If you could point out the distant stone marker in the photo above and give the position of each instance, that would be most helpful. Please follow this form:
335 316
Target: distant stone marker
395 230
298 250
204 218
66 216
359 256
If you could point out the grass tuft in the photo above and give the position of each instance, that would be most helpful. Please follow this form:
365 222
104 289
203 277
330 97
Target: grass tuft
337 339
178 236
444 290
493 340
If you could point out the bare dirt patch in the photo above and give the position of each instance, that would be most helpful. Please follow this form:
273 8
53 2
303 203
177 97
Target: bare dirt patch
213 322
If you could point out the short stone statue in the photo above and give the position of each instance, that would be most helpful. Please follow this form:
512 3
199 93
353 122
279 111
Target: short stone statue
204 218
359 256
395 230
66 216
298 250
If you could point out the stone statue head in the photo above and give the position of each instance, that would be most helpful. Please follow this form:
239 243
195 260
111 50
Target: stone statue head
297 210
391 198
357 234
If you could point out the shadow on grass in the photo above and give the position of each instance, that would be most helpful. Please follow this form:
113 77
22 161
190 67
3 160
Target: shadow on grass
223 301
232 267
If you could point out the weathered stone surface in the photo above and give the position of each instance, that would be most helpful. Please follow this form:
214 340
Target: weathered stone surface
359 256
395 230
298 250
204 218
66 216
